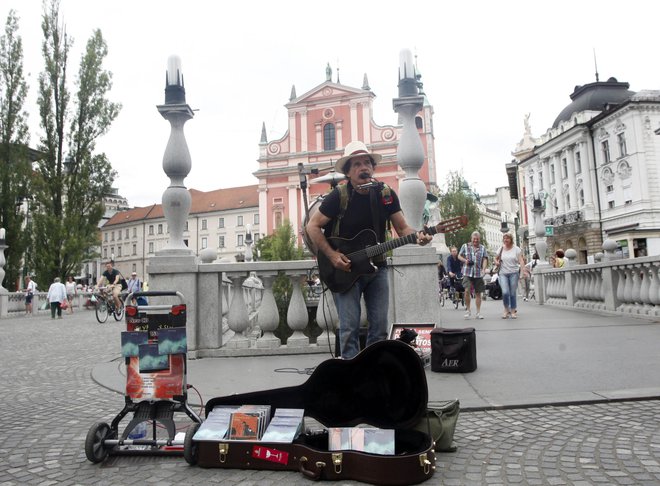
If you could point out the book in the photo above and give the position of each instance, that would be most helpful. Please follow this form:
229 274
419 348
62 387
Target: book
216 424
283 429
244 426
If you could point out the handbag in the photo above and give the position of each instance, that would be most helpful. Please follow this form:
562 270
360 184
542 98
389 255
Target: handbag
64 305
496 267
440 422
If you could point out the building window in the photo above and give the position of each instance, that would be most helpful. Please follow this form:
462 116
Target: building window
610 188
581 197
329 137
160 229
239 240
221 222
105 253
151 247
578 163
568 201
204 225
105 236
419 123
278 219
221 241
605 147
239 221
552 173
610 203
256 238
112 236
151 229
256 218
186 227
119 235
119 251
564 168
621 139
134 249
204 243
134 232
627 195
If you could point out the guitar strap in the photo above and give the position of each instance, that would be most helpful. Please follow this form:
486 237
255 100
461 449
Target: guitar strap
375 216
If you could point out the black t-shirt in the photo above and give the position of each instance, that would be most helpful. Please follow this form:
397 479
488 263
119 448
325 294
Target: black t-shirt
111 276
358 212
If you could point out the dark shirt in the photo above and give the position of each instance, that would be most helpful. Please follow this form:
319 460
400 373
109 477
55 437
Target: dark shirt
358 213
454 265
111 276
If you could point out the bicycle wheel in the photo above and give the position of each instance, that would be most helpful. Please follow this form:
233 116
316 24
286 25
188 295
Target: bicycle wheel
118 314
101 312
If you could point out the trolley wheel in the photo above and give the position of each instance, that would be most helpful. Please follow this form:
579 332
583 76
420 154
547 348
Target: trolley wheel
95 450
118 314
189 446
101 312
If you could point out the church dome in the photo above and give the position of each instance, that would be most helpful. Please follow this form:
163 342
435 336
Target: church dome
594 97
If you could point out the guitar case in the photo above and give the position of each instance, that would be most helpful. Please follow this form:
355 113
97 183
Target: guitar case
383 386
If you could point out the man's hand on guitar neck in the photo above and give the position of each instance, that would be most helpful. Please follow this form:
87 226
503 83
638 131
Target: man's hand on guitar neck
423 238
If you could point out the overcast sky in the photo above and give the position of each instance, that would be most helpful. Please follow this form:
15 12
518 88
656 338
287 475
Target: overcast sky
484 65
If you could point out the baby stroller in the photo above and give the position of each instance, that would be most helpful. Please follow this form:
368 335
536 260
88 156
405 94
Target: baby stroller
456 292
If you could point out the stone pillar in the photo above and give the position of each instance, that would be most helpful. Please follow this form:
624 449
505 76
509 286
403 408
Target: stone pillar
297 316
268 316
238 315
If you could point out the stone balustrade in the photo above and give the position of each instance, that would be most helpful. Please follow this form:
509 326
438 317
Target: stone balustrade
624 286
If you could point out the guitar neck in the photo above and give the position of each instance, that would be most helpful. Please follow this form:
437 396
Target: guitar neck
375 250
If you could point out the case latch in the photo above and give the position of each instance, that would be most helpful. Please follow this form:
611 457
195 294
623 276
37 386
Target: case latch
223 450
337 458
425 463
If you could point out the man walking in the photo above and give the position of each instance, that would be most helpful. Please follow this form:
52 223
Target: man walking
475 260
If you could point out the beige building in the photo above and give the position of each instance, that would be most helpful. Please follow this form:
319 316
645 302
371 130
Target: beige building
218 219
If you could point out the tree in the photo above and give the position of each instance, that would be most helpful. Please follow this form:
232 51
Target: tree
70 190
459 200
15 167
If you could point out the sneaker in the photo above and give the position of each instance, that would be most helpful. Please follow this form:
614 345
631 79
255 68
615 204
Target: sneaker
467 315
525 299
478 316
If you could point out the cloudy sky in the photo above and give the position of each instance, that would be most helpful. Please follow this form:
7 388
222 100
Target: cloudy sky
484 64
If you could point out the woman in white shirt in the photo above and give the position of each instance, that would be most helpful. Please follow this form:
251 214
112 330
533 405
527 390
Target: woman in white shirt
511 262
70 292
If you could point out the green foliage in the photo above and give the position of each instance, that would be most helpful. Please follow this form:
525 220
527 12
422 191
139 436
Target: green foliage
15 167
458 200
281 246
70 189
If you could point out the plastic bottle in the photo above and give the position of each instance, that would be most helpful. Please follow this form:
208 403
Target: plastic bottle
139 431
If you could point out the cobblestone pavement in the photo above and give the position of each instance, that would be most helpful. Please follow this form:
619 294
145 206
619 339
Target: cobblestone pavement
50 402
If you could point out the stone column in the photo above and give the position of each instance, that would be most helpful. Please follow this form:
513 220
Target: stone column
268 316
545 167
415 299
572 190
559 186
297 316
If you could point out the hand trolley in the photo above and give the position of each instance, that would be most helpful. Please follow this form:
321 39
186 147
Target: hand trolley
154 348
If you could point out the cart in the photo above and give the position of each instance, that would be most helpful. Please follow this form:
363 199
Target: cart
154 348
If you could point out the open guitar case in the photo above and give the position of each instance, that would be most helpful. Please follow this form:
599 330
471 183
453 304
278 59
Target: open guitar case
383 386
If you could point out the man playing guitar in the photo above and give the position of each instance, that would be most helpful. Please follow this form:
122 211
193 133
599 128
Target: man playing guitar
365 196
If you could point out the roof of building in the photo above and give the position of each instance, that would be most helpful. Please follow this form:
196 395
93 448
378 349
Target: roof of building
202 202
595 97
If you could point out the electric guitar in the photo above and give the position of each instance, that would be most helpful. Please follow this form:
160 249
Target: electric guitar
364 246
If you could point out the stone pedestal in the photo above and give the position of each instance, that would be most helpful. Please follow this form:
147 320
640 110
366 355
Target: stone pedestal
414 285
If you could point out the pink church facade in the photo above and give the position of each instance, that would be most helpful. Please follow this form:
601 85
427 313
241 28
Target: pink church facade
321 123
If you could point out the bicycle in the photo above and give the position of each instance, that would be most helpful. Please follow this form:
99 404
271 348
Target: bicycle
105 305
455 293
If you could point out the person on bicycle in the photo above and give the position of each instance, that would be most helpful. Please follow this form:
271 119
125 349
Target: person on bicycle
454 270
112 277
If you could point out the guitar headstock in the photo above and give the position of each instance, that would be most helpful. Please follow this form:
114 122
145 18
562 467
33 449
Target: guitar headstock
448 225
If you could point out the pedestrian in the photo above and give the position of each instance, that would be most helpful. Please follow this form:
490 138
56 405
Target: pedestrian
135 285
56 295
511 263
348 210
71 292
559 259
474 257
30 289
455 271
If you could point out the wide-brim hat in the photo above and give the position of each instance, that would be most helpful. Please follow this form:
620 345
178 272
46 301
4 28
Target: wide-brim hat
355 149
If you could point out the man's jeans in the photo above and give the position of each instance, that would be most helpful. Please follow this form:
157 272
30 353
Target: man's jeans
375 288
509 284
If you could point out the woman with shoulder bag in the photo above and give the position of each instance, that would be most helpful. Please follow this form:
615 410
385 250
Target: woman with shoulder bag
511 263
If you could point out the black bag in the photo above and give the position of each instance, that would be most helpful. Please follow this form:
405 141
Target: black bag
123 283
453 350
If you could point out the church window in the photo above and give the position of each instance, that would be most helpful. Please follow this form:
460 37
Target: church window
329 137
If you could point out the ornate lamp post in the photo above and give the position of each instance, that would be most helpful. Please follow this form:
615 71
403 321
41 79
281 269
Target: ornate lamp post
410 152
538 209
176 160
